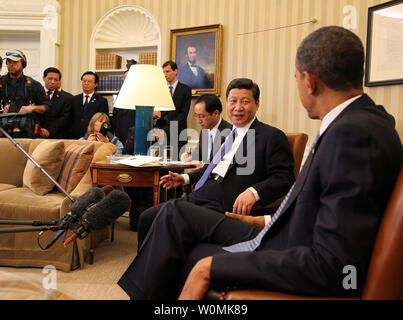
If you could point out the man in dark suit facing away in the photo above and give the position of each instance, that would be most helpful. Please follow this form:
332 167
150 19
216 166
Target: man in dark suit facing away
328 221
86 104
56 122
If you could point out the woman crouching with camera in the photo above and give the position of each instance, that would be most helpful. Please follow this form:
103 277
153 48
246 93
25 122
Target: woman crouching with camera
99 129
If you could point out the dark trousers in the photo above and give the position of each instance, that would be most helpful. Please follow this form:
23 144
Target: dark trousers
182 233
209 196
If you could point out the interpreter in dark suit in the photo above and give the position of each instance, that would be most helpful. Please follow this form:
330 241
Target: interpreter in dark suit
258 167
191 73
181 96
56 121
330 219
207 111
86 104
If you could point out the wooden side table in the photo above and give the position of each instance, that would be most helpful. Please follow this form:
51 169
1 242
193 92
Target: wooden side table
106 173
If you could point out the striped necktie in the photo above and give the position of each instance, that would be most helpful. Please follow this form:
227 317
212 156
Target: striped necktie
251 245
216 159
86 102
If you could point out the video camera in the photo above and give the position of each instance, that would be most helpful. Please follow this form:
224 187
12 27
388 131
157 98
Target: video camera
20 125
105 128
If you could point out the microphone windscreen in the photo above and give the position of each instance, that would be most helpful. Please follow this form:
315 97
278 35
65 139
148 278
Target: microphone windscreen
93 195
107 211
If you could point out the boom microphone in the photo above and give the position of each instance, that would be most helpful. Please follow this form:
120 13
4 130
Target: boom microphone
101 215
78 207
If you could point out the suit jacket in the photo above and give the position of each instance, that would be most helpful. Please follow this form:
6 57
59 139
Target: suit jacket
57 119
265 162
81 118
181 98
186 76
219 139
333 214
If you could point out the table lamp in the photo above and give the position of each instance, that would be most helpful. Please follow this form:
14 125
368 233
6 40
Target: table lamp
145 89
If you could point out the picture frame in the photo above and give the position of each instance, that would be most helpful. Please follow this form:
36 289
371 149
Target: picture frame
198 53
384 59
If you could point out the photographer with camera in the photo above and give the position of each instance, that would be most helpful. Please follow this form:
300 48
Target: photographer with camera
99 129
20 93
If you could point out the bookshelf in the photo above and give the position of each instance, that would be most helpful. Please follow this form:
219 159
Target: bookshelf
110 63
124 33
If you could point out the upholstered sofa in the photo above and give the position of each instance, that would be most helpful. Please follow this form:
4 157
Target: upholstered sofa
21 200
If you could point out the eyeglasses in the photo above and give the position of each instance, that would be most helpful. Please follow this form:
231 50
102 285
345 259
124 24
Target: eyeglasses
14 54
201 116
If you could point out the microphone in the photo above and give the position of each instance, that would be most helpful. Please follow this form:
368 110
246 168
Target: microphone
78 208
101 215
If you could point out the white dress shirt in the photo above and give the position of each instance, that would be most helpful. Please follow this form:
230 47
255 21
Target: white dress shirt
89 97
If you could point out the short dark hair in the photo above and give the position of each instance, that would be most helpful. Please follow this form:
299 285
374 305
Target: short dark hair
92 73
173 65
244 83
211 101
53 70
335 55
129 63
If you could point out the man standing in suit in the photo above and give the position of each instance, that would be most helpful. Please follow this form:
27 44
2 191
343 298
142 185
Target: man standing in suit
207 111
86 104
55 124
328 221
177 120
191 73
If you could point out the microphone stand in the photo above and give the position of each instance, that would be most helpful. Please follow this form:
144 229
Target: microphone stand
36 225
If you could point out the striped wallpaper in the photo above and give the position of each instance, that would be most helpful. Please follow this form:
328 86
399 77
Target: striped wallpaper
266 57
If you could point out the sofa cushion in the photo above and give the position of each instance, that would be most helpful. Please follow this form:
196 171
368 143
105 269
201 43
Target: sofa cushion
23 204
5 186
77 160
49 155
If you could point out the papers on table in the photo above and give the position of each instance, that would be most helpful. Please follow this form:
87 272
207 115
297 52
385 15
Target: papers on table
137 161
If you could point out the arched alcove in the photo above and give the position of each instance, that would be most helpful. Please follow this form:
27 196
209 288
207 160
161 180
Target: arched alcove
130 32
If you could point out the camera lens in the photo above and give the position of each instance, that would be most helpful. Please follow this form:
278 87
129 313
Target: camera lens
105 127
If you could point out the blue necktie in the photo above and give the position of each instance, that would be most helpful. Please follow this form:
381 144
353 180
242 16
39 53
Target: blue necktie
217 158
251 245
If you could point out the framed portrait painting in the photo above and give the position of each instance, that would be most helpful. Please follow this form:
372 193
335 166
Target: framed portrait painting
384 59
198 52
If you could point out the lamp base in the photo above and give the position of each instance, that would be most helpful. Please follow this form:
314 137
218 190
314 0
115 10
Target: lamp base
144 123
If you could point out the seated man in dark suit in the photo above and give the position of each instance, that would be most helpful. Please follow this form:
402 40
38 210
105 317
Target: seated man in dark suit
207 111
257 167
328 220
56 121
86 104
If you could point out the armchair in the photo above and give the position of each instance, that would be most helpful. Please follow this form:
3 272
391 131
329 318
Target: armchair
297 142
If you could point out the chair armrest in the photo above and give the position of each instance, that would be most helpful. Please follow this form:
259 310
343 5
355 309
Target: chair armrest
273 204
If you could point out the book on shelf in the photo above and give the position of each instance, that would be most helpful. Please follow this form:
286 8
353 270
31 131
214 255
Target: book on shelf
148 58
110 82
108 62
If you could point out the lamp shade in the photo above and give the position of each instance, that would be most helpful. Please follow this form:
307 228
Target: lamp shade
145 85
